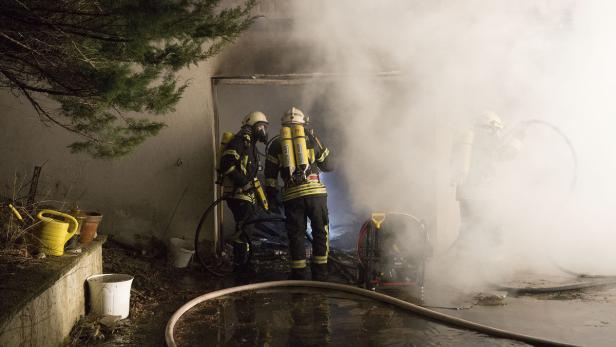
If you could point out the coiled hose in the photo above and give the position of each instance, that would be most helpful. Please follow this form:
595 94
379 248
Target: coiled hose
407 306
364 230
562 135
207 211
537 122
243 225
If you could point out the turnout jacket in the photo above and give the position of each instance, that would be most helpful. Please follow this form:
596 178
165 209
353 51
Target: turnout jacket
239 165
319 161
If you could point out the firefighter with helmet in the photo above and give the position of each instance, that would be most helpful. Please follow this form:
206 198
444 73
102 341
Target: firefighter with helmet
299 157
238 168
475 156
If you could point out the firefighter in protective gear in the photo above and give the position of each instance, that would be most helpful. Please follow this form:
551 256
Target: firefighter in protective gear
475 155
299 157
238 168
476 151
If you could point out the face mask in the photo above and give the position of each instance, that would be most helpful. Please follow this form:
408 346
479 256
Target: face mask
260 132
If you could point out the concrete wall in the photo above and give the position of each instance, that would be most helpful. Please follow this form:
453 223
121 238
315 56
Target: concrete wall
48 318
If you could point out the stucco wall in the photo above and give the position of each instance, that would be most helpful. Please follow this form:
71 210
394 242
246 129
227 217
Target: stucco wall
136 193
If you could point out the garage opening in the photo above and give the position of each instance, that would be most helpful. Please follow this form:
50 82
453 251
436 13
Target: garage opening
315 95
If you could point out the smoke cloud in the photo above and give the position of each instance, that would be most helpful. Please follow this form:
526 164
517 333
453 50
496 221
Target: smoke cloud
417 73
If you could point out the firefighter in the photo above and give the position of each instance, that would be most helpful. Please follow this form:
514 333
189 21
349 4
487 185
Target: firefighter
299 157
238 167
476 154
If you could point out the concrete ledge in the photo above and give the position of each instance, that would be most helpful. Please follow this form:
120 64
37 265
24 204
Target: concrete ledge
40 304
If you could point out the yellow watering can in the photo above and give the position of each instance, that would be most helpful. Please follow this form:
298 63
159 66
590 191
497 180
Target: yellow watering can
55 231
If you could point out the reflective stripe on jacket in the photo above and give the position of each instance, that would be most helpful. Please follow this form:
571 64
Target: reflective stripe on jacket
292 190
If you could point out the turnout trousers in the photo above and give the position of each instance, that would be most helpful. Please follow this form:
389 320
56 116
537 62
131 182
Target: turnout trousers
297 212
241 211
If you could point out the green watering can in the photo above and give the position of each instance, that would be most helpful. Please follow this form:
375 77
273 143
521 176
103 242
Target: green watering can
57 229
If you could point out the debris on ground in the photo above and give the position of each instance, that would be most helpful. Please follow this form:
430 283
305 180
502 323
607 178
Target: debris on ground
491 299
156 292
87 330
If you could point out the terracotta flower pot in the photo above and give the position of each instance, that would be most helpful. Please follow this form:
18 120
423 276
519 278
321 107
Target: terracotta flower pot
88 230
81 219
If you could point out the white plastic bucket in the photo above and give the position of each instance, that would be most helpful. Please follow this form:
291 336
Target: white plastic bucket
181 251
110 294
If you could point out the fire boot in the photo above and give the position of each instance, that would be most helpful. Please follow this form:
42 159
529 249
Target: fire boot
298 274
241 260
319 272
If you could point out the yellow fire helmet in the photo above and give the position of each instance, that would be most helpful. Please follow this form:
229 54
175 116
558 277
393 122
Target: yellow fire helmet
294 116
255 117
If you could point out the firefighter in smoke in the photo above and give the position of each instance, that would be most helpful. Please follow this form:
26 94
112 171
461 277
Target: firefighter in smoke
299 157
475 156
238 167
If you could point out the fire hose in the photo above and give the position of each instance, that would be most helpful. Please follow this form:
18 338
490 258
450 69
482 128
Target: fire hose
207 212
516 128
364 230
407 306
598 282
562 135
204 216
605 279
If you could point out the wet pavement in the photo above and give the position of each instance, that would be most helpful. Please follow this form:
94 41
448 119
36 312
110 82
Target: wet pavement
293 317
311 317
585 317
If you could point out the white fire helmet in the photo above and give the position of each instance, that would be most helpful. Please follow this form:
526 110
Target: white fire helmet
294 116
255 117
489 120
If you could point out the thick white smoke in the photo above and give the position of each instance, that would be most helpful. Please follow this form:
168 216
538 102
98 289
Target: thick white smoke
550 60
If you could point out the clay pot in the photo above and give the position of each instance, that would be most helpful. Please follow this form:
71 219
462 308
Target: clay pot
80 216
88 230
81 219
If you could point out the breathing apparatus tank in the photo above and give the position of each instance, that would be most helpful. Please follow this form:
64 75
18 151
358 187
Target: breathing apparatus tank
288 154
227 136
300 149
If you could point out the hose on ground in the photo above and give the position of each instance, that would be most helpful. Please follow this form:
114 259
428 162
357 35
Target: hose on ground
418 310
579 274
206 213
563 288
572 186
